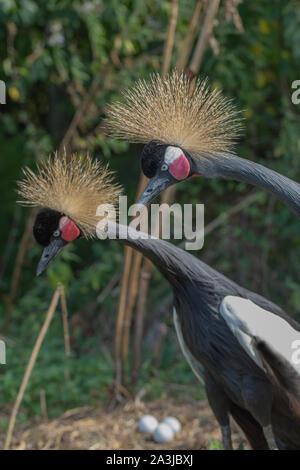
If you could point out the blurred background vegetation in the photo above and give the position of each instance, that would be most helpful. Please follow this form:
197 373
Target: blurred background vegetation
62 61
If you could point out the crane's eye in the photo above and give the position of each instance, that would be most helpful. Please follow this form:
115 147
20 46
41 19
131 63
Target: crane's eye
164 167
56 233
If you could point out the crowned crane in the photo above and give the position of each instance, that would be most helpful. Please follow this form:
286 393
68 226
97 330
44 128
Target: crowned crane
69 193
188 130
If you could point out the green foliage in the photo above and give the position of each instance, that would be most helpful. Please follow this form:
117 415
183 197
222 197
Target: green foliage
68 382
215 445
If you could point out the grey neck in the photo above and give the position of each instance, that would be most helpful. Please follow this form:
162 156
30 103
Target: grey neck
230 166
173 262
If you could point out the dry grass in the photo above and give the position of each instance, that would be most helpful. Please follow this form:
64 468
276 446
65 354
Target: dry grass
97 429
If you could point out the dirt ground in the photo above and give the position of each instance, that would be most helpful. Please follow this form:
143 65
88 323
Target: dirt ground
98 429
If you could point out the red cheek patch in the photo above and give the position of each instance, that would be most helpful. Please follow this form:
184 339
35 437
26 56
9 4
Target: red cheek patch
180 167
70 231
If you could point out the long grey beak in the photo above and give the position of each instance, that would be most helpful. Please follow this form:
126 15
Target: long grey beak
155 186
49 253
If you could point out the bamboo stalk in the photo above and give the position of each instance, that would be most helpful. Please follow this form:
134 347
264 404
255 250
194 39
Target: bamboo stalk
30 366
132 294
119 323
169 44
144 280
189 38
210 14
64 314
124 288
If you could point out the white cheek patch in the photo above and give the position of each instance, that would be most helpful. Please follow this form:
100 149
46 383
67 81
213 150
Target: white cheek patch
63 221
172 153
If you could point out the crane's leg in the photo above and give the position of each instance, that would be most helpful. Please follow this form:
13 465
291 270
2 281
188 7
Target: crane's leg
226 437
257 395
220 405
250 427
268 432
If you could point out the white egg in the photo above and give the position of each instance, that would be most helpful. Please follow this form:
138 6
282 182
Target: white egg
147 423
163 433
174 423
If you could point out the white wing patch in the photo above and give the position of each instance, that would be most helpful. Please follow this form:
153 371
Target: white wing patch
247 321
195 365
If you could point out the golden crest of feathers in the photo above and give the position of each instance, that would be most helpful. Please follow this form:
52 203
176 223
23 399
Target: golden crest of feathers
177 111
74 185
